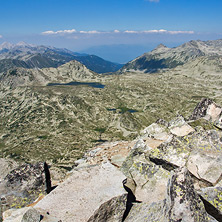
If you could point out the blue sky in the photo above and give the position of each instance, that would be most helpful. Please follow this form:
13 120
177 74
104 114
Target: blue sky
81 24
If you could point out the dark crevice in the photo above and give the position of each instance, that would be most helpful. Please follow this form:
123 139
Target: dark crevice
130 200
211 210
165 164
48 183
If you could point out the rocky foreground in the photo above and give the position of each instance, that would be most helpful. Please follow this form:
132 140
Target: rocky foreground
171 172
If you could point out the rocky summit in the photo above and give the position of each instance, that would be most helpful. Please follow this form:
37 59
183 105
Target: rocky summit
170 172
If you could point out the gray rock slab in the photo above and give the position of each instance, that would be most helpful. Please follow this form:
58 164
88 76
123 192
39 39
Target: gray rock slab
182 203
77 198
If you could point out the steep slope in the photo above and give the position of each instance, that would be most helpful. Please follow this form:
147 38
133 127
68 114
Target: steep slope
166 58
31 56
71 71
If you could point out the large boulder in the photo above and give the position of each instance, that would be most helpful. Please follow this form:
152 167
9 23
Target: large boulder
182 203
83 192
179 127
110 211
208 110
200 151
26 214
150 179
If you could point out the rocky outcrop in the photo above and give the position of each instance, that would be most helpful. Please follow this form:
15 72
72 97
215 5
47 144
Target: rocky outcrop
208 110
182 203
172 173
166 147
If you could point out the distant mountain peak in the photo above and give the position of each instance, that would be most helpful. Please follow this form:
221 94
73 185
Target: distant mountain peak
193 44
6 45
160 48
23 44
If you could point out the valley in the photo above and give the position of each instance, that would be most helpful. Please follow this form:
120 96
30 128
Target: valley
45 118
58 124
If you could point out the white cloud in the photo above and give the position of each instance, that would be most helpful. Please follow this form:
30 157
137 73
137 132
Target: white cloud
131 31
59 32
181 32
90 32
161 31
1 36
154 31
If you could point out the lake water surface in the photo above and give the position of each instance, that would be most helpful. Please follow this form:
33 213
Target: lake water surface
91 84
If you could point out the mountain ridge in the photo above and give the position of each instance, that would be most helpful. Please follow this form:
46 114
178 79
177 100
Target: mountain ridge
166 58
68 72
33 56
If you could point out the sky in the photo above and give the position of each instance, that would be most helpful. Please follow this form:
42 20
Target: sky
91 25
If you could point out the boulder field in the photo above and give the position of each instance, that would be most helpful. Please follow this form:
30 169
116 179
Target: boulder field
171 172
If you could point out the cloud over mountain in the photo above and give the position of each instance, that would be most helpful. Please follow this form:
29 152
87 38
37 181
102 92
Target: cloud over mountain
59 32
73 31
161 31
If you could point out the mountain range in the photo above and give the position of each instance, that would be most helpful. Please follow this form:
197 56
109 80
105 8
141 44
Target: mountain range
32 56
163 57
